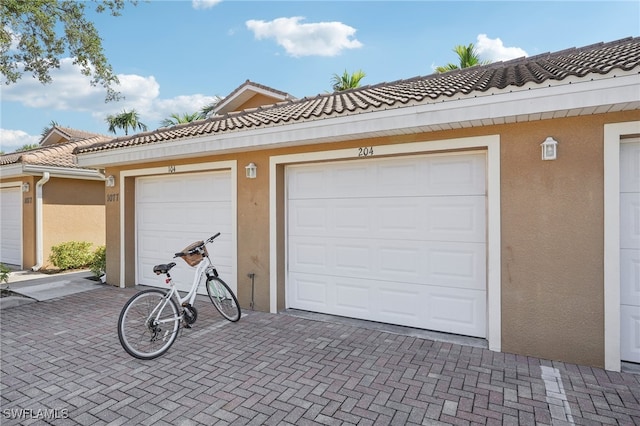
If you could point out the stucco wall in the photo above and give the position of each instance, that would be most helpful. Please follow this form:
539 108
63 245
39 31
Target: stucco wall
73 210
551 231
552 241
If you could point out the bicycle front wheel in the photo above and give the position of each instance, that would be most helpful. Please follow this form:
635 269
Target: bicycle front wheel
223 299
148 324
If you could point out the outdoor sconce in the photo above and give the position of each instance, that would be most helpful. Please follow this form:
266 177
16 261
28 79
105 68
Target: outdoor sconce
25 187
549 149
251 170
110 181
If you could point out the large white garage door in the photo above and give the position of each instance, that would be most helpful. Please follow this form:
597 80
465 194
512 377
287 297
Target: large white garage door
174 211
11 226
630 251
396 240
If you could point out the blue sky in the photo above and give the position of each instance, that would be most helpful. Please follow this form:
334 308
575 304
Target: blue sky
176 56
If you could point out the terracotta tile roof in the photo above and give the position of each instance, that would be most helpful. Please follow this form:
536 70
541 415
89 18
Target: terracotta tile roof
75 134
261 86
599 58
58 155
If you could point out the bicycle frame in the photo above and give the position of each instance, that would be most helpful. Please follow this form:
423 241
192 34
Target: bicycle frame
189 298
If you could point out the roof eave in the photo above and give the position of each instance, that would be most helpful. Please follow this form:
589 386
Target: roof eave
18 170
575 97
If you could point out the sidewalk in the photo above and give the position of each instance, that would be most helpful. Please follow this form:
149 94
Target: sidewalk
36 287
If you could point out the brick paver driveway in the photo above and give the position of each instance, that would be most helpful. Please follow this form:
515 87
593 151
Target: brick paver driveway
62 364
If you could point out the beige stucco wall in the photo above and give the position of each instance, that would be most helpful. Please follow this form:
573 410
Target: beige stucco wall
551 231
73 210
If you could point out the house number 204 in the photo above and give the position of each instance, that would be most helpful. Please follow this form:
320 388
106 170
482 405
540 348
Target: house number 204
365 151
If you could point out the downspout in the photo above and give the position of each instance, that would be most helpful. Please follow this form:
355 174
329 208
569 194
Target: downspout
39 220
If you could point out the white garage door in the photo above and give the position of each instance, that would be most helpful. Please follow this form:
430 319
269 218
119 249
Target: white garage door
630 251
11 226
174 211
397 240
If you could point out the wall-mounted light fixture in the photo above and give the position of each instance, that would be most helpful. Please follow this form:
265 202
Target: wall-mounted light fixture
110 181
25 187
549 149
251 170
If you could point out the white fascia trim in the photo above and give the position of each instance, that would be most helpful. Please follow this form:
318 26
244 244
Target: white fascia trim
490 143
11 171
520 104
231 165
64 172
612 134
18 170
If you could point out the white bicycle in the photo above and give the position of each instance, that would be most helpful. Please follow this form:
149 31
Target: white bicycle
150 320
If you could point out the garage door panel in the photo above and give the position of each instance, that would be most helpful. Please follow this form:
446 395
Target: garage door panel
433 175
11 226
310 291
417 262
186 187
629 167
630 333
444 309
160 217
455 311
630 275
457 174
630 220
423 218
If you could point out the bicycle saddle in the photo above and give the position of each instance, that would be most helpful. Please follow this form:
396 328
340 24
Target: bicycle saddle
163 269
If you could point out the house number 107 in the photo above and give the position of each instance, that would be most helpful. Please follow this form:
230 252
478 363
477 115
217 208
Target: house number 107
365 151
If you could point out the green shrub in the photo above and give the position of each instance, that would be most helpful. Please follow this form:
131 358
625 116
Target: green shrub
4 273
98 263
71 255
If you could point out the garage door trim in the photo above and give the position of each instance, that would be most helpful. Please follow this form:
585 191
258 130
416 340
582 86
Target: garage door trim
489 144
231 165
613 134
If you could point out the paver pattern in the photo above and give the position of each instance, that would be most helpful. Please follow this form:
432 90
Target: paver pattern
62 364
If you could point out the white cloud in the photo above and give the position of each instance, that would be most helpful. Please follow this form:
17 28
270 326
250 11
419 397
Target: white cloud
495 51
72 91
10 140
299 39
204 4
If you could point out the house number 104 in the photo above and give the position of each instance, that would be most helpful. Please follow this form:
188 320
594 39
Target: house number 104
365 151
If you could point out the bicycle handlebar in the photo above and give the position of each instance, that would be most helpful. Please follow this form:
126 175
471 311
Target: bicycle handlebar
213 237
197 249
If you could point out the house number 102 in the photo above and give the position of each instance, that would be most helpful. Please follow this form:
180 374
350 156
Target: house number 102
365 151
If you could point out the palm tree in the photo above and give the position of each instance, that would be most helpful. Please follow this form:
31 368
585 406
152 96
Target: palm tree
468 56
346 81
46 130
27 147
180 119
207 110
125 120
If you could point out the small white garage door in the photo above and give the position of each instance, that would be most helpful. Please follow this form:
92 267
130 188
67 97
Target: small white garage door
396 240
177 210
11 226
630 251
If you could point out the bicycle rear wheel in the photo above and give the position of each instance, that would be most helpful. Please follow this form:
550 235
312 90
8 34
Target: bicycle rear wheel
148 324
223 299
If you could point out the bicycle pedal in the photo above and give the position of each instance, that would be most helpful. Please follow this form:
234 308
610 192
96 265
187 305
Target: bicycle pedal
186 326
